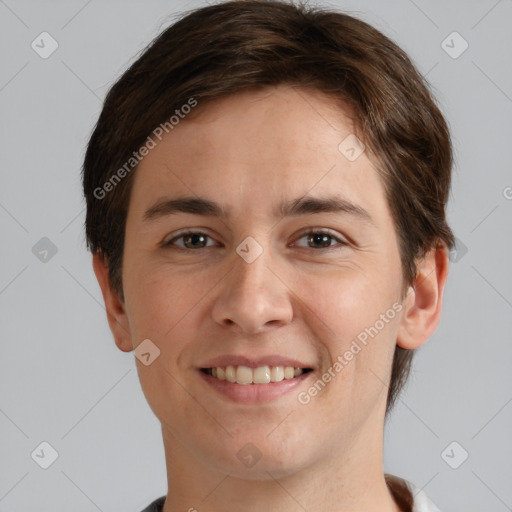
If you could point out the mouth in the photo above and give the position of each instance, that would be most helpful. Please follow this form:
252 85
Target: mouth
245 375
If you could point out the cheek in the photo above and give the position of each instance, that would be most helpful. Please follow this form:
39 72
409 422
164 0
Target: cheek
355 317
344 302
158 299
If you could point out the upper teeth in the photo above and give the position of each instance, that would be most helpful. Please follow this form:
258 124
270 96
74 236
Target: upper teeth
260 375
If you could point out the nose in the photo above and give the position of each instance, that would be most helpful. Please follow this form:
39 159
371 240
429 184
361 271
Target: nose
253 297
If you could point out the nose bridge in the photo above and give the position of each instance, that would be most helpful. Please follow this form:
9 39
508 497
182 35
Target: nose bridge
250 266
251 296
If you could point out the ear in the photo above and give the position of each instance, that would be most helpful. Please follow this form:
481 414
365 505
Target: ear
116 314
424 300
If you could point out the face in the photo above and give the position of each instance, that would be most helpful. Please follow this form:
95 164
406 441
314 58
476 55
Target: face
298 268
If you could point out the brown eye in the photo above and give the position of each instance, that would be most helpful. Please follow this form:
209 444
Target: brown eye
321 239
191 240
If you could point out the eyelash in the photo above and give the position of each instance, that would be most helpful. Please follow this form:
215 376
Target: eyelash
313 232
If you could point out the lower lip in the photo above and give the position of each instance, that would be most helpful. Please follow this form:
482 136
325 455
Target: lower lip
254 393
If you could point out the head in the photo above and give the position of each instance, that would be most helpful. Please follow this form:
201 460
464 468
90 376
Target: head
251 120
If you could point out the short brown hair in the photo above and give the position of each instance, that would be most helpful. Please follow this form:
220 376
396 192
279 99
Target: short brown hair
221 49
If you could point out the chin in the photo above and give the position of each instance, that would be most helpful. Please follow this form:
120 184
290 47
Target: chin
255 458
265 469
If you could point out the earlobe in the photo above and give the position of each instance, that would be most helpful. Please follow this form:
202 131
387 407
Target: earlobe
424 300
115 310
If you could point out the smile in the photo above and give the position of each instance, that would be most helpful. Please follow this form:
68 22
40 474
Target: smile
261 375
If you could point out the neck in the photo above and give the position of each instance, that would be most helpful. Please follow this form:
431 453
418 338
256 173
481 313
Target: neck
350 480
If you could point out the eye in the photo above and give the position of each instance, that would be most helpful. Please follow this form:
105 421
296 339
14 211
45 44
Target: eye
321 238
191 240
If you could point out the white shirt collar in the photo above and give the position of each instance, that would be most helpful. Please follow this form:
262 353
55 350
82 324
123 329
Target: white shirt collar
421 502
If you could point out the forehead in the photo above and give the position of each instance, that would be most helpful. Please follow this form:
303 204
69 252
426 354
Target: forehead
273 144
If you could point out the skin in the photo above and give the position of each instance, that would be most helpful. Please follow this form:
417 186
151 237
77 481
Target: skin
249 151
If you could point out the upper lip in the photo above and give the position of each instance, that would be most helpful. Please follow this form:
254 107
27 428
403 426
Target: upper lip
254 362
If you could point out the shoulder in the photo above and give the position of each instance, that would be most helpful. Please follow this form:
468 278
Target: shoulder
155 506
408 496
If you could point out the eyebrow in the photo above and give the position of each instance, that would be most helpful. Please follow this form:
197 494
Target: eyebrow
301 206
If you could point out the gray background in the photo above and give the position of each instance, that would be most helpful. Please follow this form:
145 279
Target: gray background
63 381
